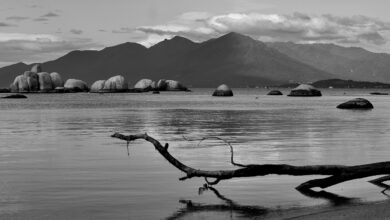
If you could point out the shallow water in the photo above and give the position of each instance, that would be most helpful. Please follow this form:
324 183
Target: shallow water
57 160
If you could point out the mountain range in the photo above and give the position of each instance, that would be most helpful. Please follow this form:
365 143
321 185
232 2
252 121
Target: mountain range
234 59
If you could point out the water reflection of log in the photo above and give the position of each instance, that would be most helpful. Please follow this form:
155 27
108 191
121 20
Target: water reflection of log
230 207
246 211
380 183
333 199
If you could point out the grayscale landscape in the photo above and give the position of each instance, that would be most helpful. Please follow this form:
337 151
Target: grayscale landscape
230 109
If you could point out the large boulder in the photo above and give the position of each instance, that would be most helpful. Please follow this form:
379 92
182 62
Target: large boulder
173 85
161 85
305 90
36 68
32 80
76 85
116 84
275 92
98 86
144 85
223 90
358 103
45 83
56 80
20 84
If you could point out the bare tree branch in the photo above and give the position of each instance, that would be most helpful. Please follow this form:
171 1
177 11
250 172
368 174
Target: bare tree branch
337 173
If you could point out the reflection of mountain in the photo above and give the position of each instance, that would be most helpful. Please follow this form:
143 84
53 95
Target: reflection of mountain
234 59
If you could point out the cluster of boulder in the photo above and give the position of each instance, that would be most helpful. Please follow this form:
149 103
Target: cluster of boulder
113 84
118 84
36 80
145 85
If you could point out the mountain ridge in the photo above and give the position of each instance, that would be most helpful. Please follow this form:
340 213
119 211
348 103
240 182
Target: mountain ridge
233 58
353 63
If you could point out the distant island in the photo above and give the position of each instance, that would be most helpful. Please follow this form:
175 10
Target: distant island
340 83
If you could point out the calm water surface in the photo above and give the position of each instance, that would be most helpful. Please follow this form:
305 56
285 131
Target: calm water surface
57 160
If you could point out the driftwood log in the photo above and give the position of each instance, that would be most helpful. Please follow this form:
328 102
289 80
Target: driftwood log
336 173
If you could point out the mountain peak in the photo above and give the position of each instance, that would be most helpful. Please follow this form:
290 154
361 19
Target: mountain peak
174 43
235 36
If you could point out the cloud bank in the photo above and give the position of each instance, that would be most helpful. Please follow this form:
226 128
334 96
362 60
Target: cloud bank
297 27
16 47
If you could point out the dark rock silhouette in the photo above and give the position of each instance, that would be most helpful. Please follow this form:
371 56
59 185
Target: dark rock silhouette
275 92
358 103
379 93
15 96
223 90
5 90
305 90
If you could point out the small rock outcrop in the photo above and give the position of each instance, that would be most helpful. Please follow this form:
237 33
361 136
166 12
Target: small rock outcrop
59 90
275 92
37 81
15 96
76 85
379 93
98 86
115 84
358 103
305 90
56 80
5 90
144 85
223 90
45 83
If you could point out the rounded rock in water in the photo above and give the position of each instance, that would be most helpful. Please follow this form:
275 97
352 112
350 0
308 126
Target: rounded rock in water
76 85
223 90
358 103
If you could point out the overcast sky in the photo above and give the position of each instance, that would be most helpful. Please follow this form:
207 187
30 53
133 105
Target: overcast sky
42 30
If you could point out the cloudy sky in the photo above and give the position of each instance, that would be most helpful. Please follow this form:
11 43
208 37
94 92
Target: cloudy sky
42 30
